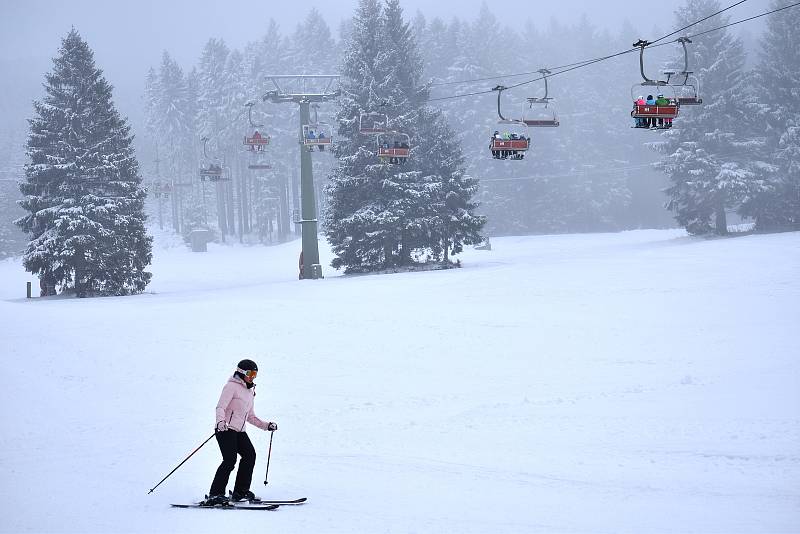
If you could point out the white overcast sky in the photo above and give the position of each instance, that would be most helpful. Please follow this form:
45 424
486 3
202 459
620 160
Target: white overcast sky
129 36
136 31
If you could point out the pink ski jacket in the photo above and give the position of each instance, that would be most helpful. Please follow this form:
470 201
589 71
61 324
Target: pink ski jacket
235 406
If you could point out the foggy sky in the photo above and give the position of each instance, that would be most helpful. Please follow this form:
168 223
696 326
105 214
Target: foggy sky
136 31
129 36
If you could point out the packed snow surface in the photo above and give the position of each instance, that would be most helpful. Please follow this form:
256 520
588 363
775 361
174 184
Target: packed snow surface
636 382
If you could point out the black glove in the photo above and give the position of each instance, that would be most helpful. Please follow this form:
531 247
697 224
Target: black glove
272 426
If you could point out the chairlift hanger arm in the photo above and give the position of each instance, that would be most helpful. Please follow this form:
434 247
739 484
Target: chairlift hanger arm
544 73
641 44
499 89
686 72
249 107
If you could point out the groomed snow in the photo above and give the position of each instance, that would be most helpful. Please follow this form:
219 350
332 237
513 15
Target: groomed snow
636 382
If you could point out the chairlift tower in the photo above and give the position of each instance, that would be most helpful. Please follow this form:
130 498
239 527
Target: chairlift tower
304 90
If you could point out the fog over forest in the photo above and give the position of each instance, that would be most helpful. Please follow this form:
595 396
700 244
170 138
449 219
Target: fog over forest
592 173
498 267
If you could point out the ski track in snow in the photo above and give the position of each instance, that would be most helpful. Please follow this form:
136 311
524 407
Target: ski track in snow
642 381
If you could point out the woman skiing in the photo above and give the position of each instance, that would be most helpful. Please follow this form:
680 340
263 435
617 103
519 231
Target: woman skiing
234 409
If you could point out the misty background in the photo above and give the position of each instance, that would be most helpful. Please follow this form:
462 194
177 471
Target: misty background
130 38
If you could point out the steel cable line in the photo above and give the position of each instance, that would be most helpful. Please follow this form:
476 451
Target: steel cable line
743 20
588 62
437 84
699 21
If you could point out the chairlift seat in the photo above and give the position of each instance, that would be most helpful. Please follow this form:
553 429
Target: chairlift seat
654 112
510 144
257 140
541 122
317 141
393 152
371 130
689 101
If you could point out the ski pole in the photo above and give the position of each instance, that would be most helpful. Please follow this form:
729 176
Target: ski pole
269 453
183 462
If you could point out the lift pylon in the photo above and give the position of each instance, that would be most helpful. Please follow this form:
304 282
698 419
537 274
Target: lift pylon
303 89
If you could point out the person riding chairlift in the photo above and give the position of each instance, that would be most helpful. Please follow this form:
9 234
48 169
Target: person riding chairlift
661 101
640 121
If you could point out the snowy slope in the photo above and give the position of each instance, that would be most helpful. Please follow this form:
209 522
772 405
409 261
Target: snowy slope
636 382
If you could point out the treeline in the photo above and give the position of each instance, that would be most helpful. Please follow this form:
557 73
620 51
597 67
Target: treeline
199 117
589 174
735 154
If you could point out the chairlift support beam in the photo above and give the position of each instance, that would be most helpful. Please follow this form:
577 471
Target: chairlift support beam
304 97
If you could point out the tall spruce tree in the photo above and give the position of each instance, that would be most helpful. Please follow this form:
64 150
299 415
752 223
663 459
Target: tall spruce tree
452 221
382 216
775 198
708 153
82 189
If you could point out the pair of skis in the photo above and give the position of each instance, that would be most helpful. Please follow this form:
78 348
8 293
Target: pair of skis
256 504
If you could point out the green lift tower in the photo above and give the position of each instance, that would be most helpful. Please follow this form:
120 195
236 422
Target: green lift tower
306 90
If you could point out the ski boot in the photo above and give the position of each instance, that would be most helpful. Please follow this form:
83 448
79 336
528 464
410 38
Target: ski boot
215 500
239 496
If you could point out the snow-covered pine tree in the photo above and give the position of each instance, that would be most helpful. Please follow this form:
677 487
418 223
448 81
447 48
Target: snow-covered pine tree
775 199
264 57
212 119
82 190
312 50
175 125
357 223
708 153
351 188
380 215
199 200
451 220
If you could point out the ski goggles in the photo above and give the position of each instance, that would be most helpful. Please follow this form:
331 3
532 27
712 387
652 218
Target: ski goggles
249 374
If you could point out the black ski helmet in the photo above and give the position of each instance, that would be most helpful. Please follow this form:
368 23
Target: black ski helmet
247 365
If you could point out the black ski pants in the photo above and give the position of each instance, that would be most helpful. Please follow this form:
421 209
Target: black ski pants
230 444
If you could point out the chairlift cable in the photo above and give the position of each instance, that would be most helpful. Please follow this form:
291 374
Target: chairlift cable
507 75
699 21
585 63
743 20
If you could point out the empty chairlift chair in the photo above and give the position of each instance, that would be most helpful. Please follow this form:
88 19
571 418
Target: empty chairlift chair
540 112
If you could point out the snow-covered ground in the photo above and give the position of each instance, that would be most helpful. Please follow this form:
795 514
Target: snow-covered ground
636 382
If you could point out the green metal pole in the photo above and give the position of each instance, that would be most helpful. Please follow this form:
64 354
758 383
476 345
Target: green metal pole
308 211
